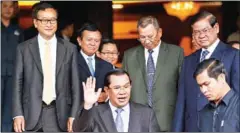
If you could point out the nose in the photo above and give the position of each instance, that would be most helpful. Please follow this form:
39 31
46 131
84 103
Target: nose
204 89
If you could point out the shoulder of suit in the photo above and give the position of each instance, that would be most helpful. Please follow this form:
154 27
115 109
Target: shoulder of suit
104 62
26 43
66 43
136 48
172 46
140 106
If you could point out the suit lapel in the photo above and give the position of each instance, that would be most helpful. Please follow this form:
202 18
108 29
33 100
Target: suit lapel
107 118
60 55
82 63
34 48
219 51
163 53
134 119
141 63
98 66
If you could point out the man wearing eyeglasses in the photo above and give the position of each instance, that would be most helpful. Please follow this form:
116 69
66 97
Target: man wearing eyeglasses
46 82
190 100
154 69
117 115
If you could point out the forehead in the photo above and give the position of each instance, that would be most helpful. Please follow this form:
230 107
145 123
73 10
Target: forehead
7 3
94 34
119 79
109 46
47 13
149 29
201 24
202 77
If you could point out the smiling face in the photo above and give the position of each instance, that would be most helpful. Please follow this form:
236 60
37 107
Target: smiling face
109 53
46 23
89 42
119 90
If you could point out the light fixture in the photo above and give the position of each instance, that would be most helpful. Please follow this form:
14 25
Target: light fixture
182 10
117 6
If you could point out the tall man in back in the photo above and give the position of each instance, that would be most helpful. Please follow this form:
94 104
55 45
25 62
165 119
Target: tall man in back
190 100
89 39
154 69
46 83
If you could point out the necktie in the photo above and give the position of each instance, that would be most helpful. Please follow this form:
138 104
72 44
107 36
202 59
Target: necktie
47 75
150 76
119 121
204 54
90 65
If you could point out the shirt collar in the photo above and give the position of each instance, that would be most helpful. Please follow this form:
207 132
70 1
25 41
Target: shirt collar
226 99
86 56
42 40
212 47
113 108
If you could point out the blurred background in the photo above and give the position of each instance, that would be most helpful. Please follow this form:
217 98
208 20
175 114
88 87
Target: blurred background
118 19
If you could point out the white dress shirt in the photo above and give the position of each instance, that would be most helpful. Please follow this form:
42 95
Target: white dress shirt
85 58
53 47
154 54
124 114
210 49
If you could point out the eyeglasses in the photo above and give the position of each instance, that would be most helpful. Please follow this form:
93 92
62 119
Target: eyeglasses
144 38
45 21
203 31
118 88
110 53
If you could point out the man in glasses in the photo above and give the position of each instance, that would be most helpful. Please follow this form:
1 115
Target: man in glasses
190 100
117 115
46 82
154 69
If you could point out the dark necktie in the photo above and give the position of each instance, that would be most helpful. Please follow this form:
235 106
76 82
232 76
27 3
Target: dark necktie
150 76
204 54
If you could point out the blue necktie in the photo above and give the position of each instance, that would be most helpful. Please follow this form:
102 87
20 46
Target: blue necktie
150 76
204 54
90 66
119 121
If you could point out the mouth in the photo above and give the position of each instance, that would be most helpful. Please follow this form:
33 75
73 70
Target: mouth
122 99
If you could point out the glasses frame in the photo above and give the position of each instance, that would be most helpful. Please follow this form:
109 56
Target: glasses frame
46 21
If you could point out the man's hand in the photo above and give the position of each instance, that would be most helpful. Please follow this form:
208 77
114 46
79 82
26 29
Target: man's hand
19 124
70 124
90 96
103 97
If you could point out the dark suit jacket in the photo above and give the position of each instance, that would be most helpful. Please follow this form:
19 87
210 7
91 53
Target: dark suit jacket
28 83
168 68
101 69
190 100
100 119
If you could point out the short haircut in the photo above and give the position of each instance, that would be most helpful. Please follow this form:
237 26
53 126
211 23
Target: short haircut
106 41
202 15
213 66
116 72
89 26
145 21
41 6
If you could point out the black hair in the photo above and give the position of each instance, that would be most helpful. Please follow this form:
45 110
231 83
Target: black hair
116 72
202 15
106 41
213 66
90 26
41 6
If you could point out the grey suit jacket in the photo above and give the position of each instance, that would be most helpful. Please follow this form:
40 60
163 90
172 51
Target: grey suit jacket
28 83
100 119
165 81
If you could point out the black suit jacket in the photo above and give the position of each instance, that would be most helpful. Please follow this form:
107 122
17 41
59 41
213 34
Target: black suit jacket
101 69
100 119
28 83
